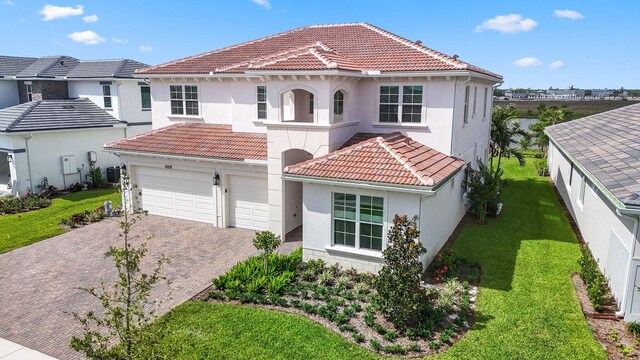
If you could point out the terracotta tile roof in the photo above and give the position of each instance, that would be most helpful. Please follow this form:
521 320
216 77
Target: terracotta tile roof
197 140
391 159
352 47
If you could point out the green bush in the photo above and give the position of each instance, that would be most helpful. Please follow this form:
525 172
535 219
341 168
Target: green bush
84 218
541 167
97 178
594 281
634 328
267 242
10 204
444 265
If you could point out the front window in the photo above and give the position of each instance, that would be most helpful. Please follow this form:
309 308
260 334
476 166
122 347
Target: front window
405 100
184 99
106 96
145 96
485 103
311 105
467 92
262 101
338 103
475 99
29 89
358 221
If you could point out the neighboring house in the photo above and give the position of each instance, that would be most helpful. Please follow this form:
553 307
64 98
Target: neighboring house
50 142
108 83
595 164
326 131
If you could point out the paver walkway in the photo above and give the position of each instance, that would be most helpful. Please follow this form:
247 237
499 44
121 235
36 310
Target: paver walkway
38 283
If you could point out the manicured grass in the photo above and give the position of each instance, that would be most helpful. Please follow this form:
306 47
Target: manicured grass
199 330
18 230
527 308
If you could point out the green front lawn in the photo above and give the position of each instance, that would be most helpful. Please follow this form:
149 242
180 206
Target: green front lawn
526 308
18 230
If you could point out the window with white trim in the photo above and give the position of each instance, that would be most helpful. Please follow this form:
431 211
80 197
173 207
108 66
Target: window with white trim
338 102
261 94
402 103
485 103
467 93
145 97
106 96
311 105
29 90
358 221
570 174
583 185
184 99
475 99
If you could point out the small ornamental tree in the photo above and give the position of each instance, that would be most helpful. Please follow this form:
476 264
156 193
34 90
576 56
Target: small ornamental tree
400 297
483 188
267 242
124 328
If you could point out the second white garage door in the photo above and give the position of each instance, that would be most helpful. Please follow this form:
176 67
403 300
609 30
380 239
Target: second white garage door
248 202
176 193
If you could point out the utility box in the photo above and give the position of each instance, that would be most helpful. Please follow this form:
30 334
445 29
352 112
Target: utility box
69 164
93 157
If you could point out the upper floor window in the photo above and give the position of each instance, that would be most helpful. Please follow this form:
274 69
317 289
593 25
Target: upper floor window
358 221
145 96
467 93
475 99
106 96
29 90
262 101
338 103
405 100
184 99
485 103
311 105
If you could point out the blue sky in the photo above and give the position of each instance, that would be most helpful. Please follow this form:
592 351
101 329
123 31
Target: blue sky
531 43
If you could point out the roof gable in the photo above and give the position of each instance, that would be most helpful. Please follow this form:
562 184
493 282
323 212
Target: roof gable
12 65
354 47
49 66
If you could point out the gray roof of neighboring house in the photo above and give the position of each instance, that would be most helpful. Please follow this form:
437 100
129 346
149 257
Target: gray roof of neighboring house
55 115
608 146
49 67
12 65
120 68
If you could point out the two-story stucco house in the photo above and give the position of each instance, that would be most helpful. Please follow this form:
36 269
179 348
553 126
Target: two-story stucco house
326 131
57 110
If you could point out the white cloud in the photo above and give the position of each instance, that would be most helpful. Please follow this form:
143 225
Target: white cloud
557 64
52 12
527 62
264 3
568 14
507 24
86 37
90 18
8 2
145 48
119 41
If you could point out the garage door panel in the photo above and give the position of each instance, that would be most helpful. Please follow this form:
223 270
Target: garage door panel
176 193
248 202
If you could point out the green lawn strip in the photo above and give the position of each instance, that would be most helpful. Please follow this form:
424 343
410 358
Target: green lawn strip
200 330
527 307
18 230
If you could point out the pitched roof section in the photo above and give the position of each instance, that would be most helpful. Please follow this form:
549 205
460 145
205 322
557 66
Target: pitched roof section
356 47
55 115
389 159
119 68
49 67
12 65
197 140
608 146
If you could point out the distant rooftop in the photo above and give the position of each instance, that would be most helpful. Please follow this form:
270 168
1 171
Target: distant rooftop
66 66
12 65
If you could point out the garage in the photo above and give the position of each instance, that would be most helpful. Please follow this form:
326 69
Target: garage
248 202
175 193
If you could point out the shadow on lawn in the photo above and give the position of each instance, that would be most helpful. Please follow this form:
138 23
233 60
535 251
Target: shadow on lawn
531 212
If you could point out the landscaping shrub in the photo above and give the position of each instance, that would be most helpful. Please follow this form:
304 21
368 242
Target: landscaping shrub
634 328
267 242
541 167
10 204
594 281
84 218
444 265
400 298
97 178
483 188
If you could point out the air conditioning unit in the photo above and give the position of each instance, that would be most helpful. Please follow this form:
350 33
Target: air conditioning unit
69 164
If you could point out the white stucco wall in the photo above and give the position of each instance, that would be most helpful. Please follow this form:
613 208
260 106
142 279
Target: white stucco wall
44 151
8 93
609 236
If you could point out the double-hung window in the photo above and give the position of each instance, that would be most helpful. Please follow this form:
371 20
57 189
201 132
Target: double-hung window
262 101
402 103
106 96
145 97
184 99
29 89
358 221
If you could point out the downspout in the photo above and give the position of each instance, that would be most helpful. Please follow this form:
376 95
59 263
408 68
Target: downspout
26 142
453 113
636 220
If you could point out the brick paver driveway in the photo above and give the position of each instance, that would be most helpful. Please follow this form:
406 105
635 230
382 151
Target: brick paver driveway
38 282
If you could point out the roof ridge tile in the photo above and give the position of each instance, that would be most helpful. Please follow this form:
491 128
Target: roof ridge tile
403 160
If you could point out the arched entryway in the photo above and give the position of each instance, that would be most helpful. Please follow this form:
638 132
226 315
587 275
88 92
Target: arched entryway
292 196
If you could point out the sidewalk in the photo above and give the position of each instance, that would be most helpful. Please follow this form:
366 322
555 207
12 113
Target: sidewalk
12 351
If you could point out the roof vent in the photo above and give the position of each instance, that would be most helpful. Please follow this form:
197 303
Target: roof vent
407 141
456 57
418 42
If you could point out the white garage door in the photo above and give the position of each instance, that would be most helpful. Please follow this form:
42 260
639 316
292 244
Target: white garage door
248 202
176 193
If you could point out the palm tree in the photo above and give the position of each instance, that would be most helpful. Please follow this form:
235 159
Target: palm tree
504 131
